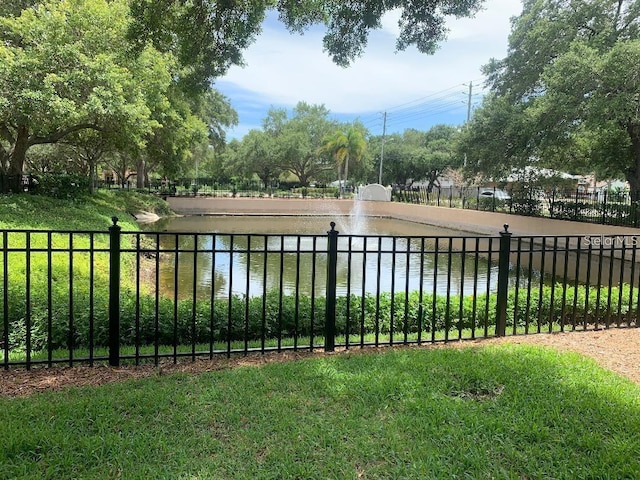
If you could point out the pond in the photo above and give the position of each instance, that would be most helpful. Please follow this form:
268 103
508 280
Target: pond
255 254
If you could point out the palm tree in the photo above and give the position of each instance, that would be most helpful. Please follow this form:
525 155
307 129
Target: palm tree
345 146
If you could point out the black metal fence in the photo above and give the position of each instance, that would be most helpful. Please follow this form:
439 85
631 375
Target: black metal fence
604 207
208 187
16 183
88 297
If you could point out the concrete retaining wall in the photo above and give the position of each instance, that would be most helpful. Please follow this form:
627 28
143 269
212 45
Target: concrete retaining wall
466 220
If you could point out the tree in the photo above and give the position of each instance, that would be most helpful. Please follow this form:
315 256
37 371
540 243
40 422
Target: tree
418 156
64 68
169 147
345 145
210 35
570 82
258 156
435 153
498 139
299 140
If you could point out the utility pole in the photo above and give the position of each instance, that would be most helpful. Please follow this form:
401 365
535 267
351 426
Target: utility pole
384 132
468 115
469 102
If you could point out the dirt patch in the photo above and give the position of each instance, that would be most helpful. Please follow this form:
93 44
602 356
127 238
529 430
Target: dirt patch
617 349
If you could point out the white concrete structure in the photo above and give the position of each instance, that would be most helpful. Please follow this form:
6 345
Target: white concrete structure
374 192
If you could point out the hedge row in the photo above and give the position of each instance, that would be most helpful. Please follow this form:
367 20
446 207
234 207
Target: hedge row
286 316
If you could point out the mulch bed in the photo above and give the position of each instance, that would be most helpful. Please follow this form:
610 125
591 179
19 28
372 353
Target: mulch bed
617 349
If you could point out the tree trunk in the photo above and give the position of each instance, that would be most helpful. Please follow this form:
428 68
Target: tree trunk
346 170
92 176
18 154
633 172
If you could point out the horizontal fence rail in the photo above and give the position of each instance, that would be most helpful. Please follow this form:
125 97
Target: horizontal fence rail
110 297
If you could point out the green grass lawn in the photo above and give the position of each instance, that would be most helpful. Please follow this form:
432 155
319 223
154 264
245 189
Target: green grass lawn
92 212
479 412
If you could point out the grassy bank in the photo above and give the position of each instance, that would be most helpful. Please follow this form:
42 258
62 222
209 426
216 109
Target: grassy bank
492 412
86 213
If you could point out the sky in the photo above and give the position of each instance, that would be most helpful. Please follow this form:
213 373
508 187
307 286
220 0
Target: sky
414 89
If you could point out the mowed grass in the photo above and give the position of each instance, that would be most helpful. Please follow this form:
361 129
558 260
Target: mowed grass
511 411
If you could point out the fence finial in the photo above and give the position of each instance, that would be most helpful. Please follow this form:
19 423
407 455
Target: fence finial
506 228
114 219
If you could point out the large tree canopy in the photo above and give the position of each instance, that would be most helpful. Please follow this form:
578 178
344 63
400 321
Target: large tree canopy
417 156
299 140
64 68
210 35
567 95
67 74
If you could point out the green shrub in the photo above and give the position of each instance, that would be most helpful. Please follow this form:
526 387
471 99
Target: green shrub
277 316
63 185
531 207
571 210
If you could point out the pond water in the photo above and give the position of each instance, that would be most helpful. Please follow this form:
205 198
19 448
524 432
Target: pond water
255 254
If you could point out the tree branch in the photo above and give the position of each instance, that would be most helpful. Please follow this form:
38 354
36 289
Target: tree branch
56 136
6 134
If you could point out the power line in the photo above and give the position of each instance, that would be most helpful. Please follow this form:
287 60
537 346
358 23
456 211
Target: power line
442 101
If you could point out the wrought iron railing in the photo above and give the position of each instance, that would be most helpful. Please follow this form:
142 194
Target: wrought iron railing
87 297
603 207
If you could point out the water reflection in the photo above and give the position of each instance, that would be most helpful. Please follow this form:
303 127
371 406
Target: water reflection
231 258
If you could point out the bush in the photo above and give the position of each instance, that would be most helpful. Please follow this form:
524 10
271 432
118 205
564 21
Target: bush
571 210
63 185
276 316
531 207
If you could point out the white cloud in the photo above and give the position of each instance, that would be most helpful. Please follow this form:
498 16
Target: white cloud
283 69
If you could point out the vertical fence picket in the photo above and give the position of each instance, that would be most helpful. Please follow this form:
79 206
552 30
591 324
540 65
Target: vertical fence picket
5 297
474 303
70 337
363 297
114 293
312 320
296 326
632 278
347 327
156 321
503 282
49 300
332 263
246 299
434 291
421 292
137 312
614 279
91 297
27 314
392 306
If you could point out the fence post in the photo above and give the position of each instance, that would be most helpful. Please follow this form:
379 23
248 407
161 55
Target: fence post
114 293
503 281
330 316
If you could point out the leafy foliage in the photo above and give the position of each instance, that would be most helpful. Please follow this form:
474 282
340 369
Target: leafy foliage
63 185
210 35
566 95
64 68
285 316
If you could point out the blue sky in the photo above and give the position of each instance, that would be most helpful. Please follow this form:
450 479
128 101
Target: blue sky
416 90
